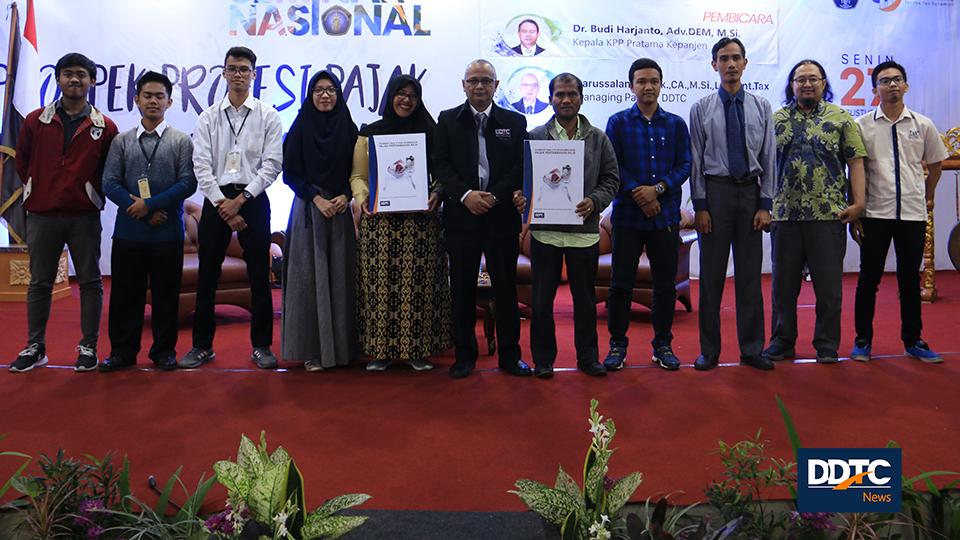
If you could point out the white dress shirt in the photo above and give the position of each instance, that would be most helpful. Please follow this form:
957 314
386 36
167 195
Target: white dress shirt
158 130
480 171
260 141
896 184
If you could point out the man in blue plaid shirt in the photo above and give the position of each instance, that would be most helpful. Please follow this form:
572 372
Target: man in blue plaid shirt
653 151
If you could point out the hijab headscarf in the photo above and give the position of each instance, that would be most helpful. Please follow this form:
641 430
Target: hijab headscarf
419 121
319 147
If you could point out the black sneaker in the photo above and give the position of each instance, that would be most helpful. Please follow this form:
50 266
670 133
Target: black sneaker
663 356
196 357
86 360
263 357
616 358
34 355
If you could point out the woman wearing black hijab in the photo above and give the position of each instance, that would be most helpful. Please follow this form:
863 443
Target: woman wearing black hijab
404 292
319 300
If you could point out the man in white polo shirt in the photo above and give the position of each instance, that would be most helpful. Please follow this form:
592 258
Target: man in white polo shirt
898 141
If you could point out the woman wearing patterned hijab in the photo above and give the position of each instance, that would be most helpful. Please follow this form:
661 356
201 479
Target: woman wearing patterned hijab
404 292
319 301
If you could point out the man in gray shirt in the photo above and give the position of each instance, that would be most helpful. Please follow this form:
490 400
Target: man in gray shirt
148 174
732 179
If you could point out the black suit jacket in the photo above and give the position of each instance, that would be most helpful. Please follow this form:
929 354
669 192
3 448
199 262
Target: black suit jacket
455 155
520 52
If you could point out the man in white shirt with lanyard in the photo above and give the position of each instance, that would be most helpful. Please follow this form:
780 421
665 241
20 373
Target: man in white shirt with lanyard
899 193
238 152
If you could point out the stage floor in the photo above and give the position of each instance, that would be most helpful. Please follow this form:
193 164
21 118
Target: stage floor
418 441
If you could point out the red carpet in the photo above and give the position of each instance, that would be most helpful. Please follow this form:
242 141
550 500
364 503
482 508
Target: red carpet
424 441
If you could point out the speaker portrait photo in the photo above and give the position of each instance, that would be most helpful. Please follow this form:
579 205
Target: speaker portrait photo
529 102
528 31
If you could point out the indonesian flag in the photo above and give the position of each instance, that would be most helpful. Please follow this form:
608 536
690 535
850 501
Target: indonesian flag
21 97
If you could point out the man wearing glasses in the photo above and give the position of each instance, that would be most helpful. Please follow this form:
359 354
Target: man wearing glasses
237 155
731 181
61 150
817 143
899 192
478 160
530 102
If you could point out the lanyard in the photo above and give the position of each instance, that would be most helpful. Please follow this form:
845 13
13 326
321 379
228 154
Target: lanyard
236 132
153 154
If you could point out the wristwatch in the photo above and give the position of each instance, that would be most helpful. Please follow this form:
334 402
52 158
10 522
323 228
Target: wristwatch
247 195
660 188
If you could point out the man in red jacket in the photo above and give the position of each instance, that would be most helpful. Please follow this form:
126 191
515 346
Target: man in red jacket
60 155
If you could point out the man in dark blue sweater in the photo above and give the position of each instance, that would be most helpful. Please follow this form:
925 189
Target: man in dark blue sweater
148 174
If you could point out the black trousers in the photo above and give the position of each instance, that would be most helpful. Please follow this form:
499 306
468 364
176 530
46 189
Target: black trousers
501 253
214 237
663 248
908 238
546 263
821 246
732 207
133 264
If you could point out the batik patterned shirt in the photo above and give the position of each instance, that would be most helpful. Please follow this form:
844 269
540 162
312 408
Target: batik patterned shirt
812 154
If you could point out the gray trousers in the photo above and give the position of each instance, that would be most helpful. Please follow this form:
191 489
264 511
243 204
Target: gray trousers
820 245
732 207
46 236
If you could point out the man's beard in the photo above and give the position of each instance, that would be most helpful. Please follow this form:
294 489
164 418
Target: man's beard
807 103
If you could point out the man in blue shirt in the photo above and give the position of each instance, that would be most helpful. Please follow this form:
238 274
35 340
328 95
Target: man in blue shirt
732 180
653 152
148 174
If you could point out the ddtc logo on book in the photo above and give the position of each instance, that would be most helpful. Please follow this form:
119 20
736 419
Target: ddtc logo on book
849 479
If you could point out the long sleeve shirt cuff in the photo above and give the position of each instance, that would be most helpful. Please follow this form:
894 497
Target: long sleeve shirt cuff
701 205
465 193
765 204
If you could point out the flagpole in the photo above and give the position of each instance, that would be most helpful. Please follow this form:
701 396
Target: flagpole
6 152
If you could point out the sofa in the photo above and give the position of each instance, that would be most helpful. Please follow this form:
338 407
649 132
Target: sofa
233 287
643 289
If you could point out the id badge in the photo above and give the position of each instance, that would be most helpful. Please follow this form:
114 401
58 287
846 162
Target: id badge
232 166
144 186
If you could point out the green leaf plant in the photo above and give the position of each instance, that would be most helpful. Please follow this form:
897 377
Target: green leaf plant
26 462
593 510
265 491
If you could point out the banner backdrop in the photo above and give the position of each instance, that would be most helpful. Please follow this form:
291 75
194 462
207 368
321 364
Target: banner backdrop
365 42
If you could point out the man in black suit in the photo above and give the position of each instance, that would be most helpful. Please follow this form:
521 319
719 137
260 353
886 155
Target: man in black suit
528 31
529 103
478 160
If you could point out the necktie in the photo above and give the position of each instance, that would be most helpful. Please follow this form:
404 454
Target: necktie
736 144
483 166
529 109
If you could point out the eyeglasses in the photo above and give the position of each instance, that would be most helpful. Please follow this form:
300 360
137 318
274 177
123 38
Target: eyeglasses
233 70
890 81
325 90
407 95
529 85
803 81
473 81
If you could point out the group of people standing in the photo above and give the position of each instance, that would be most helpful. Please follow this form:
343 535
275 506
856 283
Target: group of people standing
402 286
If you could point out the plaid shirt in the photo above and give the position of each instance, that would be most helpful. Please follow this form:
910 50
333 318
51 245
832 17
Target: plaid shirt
648 152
